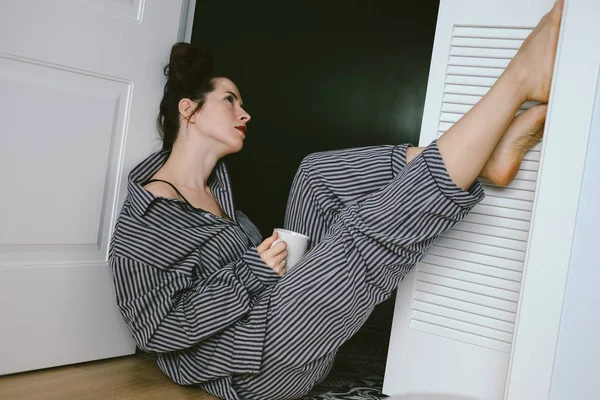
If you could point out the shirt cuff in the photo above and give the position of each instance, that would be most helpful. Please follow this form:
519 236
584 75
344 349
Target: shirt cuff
464 198
259 269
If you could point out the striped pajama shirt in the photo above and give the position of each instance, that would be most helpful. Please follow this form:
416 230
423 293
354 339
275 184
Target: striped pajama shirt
192 287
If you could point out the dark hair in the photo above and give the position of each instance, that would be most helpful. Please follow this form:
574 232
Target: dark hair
190 75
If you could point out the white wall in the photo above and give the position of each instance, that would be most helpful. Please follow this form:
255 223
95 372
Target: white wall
577 365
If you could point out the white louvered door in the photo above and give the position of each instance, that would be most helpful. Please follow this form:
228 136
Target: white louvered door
456 311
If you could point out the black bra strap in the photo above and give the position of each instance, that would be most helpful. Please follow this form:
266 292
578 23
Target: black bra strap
173 186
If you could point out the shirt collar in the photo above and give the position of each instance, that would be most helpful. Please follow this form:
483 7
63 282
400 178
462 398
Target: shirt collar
141 199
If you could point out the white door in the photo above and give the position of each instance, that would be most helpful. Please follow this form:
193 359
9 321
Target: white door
456 312
80 83
480 315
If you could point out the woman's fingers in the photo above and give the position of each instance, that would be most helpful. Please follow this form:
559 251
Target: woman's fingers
279 264
273 256
267 243
276 262
280 270
274 251
280 257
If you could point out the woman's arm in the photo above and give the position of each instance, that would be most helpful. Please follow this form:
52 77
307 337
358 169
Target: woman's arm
170 311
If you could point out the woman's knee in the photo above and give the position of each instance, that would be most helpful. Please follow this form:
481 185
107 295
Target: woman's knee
312 161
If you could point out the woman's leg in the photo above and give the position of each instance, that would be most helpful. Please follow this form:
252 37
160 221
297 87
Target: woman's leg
372 244
464 148
369 247
467 153
327 182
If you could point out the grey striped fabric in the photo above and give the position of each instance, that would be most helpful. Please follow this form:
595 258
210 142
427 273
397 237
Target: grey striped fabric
192 287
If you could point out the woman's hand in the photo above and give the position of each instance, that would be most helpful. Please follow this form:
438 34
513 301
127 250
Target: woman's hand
274 257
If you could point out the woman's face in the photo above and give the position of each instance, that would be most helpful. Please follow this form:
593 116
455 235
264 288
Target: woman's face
222 117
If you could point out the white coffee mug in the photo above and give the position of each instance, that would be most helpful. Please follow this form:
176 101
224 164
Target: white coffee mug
297 245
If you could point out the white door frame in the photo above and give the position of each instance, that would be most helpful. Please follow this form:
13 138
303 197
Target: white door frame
551 236
188 10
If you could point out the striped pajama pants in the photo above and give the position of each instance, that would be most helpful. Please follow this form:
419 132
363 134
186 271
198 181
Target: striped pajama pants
371 218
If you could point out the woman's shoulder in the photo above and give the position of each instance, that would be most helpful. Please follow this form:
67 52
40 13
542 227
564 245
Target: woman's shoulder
161 189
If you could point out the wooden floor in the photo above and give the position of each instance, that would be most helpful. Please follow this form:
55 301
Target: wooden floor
124 378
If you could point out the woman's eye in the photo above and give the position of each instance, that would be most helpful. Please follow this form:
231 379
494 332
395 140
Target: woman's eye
229 99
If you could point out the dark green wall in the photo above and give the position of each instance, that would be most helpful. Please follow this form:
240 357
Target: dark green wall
316 75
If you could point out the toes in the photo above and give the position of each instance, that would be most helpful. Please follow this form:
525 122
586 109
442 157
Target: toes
557 11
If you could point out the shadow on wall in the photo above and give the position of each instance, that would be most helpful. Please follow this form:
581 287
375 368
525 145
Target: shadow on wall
316 76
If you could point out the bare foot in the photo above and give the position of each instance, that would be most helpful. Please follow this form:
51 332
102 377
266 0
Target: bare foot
525 130
534 62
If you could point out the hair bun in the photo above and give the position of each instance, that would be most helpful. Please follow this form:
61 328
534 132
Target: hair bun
188 63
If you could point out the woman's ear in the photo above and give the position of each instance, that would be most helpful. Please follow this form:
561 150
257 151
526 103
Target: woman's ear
186 109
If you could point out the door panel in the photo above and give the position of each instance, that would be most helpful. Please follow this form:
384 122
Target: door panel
80 83
456 312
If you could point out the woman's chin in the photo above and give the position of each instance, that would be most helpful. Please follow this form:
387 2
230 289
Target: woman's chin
237 147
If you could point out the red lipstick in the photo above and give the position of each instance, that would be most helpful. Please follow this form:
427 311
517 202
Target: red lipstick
241 129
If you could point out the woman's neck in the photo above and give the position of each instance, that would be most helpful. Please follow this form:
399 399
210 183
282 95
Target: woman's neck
190 164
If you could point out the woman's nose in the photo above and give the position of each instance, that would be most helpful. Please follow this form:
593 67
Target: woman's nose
245 117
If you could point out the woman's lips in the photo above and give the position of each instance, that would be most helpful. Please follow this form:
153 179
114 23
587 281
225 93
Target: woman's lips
241 129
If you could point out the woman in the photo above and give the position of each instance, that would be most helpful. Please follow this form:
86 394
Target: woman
196 283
